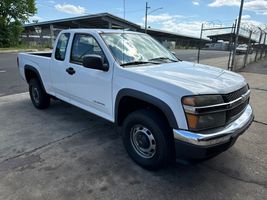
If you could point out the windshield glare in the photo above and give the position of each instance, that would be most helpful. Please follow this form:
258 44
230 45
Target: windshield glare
130 47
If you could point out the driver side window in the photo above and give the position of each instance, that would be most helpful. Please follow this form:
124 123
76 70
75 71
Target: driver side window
82 45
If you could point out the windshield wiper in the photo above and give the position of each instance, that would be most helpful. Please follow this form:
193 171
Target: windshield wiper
163 58
138 63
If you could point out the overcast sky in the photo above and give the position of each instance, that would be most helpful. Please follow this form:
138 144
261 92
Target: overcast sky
180 16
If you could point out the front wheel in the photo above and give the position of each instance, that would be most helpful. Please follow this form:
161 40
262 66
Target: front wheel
39 97
147 140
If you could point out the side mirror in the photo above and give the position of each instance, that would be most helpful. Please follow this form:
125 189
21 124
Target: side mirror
94 62
173 53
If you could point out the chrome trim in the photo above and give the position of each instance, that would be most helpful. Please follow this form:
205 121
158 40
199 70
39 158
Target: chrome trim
217 107
221 135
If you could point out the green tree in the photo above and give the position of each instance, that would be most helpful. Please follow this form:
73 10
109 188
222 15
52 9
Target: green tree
14 13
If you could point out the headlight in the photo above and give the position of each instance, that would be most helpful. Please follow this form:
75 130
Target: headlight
202 112
205 100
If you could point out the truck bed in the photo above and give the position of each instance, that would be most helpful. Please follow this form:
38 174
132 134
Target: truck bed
44 54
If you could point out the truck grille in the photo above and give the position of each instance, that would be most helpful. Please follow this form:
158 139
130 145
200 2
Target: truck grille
236 94
235 112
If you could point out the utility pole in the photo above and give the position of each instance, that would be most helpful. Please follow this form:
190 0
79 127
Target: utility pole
146 17
237 32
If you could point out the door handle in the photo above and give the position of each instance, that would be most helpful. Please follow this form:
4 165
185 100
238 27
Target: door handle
70 71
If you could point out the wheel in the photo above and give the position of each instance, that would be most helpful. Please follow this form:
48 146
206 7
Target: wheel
147 139
39 97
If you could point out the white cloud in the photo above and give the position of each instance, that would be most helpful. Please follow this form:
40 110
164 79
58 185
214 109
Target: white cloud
195 2
175 23
70 9
257 6
162 17
245 17
35 18
185 28
219 3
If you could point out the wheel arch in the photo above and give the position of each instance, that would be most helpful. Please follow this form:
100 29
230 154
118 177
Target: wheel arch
31 72
142 99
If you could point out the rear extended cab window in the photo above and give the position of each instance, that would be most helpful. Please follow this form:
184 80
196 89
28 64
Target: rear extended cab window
61 47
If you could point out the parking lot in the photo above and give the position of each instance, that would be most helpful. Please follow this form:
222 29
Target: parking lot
66 153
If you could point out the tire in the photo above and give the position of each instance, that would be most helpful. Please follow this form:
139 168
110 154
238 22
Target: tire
147 139
39 97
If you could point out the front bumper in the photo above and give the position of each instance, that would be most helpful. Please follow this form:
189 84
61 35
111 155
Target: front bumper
199 145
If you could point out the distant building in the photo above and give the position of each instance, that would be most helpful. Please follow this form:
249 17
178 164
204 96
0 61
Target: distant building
45 32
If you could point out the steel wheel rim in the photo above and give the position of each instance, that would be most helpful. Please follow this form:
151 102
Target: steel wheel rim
143 141
35 95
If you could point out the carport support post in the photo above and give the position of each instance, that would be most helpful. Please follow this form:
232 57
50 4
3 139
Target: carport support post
109 25
265 44
200 41
52 34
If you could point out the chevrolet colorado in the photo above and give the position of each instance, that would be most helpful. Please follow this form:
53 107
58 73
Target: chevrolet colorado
165 108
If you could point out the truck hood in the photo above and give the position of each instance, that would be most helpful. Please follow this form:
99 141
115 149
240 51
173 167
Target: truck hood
195 78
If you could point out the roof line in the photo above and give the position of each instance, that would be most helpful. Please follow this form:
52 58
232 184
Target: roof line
81 17
169 32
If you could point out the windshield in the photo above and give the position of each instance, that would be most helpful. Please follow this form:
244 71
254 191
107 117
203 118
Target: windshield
136 49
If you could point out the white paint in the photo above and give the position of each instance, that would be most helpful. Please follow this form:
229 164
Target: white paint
2 71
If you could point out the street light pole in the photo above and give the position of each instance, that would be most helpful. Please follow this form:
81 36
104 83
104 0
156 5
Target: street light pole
146 17
147 7
237 32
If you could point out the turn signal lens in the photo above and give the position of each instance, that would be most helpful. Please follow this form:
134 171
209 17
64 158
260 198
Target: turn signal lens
192 121
190 101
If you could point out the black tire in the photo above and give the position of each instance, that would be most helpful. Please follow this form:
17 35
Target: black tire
140 128
39 97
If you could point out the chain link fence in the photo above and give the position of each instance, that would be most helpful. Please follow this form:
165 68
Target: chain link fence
251 45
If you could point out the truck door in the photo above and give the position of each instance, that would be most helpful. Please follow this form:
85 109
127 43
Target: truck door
90 89
58 74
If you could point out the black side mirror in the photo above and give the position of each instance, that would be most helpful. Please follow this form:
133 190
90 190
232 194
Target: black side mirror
173 53
94 62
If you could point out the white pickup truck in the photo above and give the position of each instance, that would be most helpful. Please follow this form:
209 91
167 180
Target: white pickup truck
164 108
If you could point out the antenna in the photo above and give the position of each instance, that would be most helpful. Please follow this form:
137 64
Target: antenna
124 9
123 49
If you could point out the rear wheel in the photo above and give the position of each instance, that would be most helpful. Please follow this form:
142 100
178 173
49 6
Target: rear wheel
147 140
39 97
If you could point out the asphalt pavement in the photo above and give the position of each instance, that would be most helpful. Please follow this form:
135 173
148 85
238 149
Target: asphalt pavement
191 54
10 81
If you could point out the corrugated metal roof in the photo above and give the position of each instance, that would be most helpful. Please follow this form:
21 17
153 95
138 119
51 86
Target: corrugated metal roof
82 18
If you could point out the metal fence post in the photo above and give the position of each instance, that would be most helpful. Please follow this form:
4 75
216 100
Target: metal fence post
237 32
248 49
230 46
263 45
256 56
200 42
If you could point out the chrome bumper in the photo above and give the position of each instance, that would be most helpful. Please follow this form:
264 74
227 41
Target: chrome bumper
233 129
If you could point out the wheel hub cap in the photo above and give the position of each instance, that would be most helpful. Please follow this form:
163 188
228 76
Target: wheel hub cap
143 141
35 95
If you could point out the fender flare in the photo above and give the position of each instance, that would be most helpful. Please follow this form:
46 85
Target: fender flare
149 99
29 67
